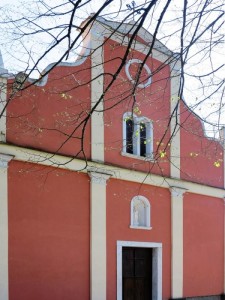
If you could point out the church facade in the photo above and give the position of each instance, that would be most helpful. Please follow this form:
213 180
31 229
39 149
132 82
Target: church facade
125 204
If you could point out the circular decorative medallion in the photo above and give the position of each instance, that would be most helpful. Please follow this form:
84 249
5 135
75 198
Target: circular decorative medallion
131 69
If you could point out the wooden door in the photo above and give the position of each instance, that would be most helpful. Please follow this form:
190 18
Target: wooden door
137 273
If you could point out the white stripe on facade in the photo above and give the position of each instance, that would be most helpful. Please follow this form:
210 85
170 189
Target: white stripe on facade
177 242
175 119
97 118
222 139
3 85
98 236
224 248
98 180
4 290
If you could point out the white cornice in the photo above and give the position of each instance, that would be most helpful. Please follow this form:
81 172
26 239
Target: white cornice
66 162
5 159
128 29
177 191
99 178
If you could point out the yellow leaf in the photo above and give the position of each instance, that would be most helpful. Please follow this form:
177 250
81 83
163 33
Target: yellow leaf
193 154
217 164
162 154
136 109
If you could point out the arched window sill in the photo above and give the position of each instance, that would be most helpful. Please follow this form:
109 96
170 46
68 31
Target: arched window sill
146 158
140 227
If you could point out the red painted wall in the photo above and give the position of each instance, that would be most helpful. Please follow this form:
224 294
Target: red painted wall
203 245
201 157
151 102
49 208
119 196
46 117
48 233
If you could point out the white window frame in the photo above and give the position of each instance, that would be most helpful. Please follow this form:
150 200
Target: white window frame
156 266
147 213
136 138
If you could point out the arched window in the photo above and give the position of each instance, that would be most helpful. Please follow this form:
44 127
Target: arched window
140 211
137 135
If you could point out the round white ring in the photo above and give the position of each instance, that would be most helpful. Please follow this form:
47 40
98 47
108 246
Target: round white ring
138 61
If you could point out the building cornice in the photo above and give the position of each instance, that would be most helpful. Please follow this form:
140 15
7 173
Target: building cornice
5 159
74 164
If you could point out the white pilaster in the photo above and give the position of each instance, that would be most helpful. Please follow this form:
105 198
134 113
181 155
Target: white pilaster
175 119
98 235
224 247
97 119
222 140
4 293
177 242
3 84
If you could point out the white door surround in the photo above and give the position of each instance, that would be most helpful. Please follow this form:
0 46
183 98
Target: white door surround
156 266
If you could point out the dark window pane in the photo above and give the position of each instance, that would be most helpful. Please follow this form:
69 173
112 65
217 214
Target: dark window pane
129 136
142 139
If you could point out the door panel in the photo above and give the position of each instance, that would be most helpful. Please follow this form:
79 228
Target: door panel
129 289
137 273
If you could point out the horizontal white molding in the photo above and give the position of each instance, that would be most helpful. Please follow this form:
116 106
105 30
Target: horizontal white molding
141 227
66 162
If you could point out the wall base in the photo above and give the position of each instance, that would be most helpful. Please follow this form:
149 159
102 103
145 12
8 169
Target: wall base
213 297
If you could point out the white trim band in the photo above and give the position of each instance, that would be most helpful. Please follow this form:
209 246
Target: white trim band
66 162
